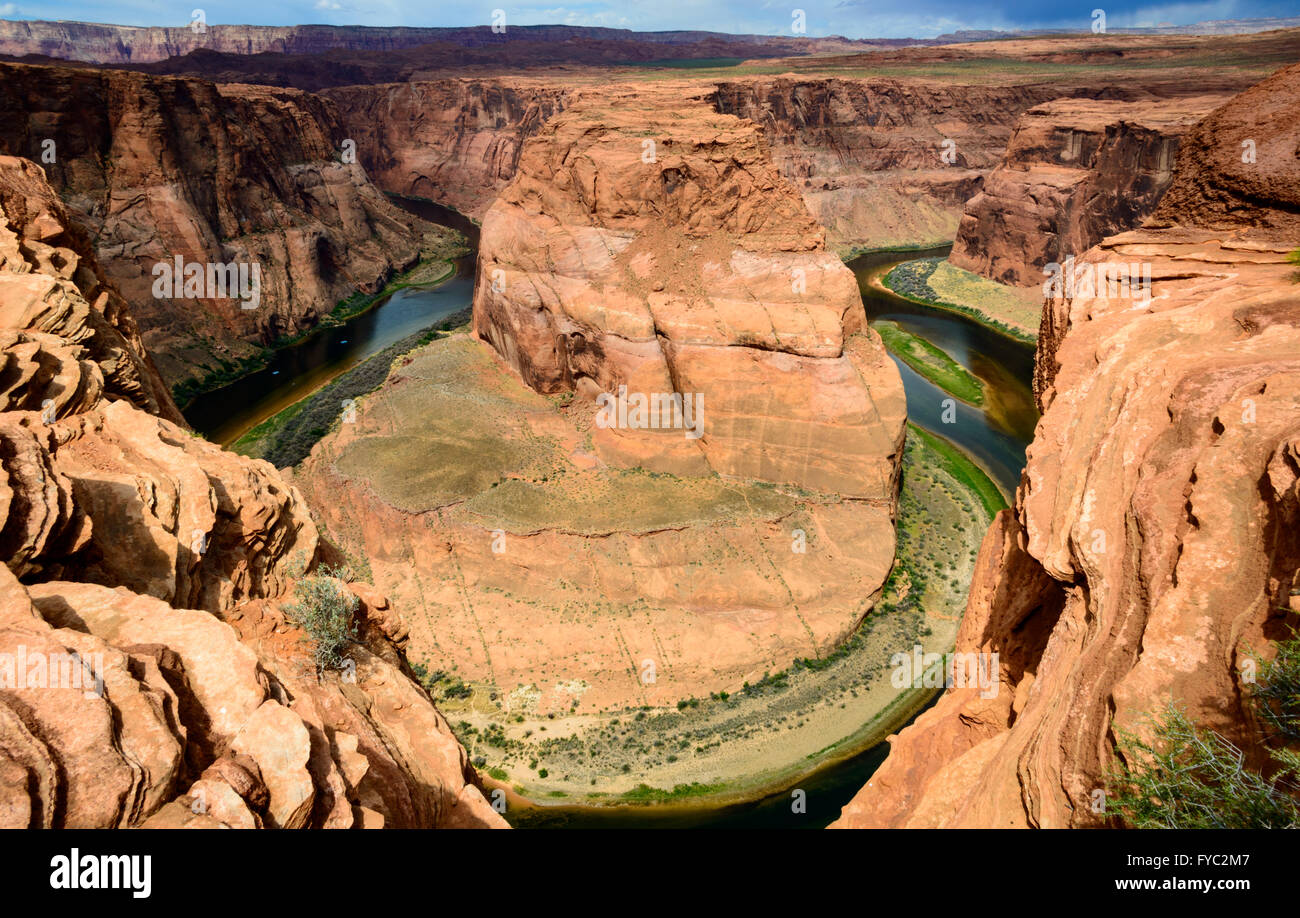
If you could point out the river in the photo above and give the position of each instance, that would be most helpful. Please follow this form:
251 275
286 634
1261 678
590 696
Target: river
995 436
294 372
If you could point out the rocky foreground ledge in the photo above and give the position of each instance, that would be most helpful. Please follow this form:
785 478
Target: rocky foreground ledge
149 672
1154 544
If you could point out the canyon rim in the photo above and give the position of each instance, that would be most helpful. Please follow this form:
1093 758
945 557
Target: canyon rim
525 425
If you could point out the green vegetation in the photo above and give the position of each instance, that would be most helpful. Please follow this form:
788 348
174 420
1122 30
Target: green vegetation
441 245
622 500
644 793
933 282
1294 258
1187 777
963 468
325 610
932 362
226 372
286 438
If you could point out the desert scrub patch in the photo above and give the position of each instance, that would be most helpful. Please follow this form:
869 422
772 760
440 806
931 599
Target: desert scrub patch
931 361
325 609
418 473
1176 774
1002 308
287 437
624 501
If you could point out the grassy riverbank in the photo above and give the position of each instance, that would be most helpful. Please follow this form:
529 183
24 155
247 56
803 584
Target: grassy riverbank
756 738
934 282
286 438
439 246
931 362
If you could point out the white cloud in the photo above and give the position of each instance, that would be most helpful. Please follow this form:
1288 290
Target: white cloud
328 5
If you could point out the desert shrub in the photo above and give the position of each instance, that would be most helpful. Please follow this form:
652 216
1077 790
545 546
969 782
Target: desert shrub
1185 776
325 609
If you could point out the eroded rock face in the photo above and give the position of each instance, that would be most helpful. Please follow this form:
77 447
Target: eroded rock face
456 142
210 174
651 244
1075 171
57 288
149 671
1154 542
577 567
868 155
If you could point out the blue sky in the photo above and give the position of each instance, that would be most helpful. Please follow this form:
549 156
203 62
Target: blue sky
852 18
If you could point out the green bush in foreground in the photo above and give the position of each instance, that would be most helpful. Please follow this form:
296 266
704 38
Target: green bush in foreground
325 610
1186 777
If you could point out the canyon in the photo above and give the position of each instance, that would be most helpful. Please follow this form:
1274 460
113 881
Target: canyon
1152 547
161 565
153 169
543 569
629 253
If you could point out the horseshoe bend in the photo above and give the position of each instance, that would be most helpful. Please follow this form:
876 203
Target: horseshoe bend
441 427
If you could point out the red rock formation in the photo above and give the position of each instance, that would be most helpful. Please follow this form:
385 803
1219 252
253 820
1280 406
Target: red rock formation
157 168
697 272
456 142
1075 171
165 564
867 154
1154 541
39 240
115 44
645 241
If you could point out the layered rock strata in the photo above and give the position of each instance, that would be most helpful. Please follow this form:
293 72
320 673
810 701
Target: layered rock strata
1074 172
456 142
1153 545
151 673
160 171
651 244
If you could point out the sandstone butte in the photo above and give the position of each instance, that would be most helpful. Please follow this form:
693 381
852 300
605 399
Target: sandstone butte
1074 172
864 154
166 562
1153 544
158 167
694 270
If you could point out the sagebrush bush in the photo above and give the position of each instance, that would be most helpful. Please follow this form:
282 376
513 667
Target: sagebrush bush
326 610
1187 777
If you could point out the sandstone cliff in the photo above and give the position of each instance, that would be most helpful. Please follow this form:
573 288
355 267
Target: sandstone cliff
456 142
564 566
154 169
698 271
1154 540
1074 172
164 564
867 154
